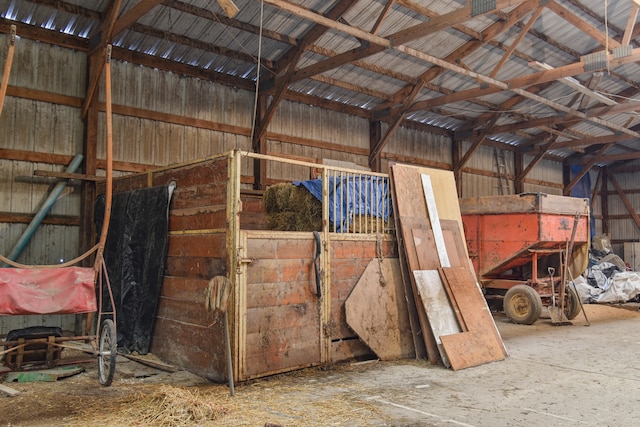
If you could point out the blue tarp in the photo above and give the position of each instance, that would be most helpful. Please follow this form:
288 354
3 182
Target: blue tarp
351 196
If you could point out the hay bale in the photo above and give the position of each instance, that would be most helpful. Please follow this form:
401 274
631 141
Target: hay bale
277 197
368 224
292 208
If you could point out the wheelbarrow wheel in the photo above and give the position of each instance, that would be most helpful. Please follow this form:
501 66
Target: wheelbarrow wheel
571 305
522 304
108 349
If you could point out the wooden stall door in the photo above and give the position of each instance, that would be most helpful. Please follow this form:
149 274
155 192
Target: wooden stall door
282 313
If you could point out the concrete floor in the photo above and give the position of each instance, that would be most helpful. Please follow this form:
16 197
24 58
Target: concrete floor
554 376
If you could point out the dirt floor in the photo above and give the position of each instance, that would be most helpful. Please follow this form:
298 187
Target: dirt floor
554 376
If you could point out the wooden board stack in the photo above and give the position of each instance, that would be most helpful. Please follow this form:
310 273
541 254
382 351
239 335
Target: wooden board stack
449 315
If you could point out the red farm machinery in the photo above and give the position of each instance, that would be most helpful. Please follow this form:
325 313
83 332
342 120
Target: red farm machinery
526 249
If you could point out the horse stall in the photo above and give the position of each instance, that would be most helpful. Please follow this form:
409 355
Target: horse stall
282 290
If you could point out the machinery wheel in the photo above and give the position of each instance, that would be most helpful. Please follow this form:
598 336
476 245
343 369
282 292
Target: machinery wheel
571 304
107 351
522 304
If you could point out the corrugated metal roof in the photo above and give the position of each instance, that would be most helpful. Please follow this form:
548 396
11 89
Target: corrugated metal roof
196 33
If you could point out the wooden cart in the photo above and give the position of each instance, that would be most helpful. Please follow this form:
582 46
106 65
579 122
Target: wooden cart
67 290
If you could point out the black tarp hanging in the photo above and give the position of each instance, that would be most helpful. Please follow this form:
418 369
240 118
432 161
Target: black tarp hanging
135 255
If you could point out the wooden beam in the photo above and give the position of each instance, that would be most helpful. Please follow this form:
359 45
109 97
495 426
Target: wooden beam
604 201
131 17
575 84
198 44
468 48
7 66
625 200
34 157
626 38
395 123
517 40
208 14
292 57
568 70
474 147
385 11
437 23
585 142
567 120
104 37
582 25
533 163
38 95
617 157
229 7
593 83
66 175
329 23
587 166
506 86
21 218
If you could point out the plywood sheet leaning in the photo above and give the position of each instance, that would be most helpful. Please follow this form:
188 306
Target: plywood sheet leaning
482 343
377 311
442 317
417 250
433 237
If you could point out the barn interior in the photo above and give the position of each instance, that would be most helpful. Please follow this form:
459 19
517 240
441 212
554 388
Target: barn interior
248 189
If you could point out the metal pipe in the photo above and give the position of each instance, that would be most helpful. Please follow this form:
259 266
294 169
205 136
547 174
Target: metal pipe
42 212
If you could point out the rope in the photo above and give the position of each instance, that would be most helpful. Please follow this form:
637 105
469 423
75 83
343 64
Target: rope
255 101
64 264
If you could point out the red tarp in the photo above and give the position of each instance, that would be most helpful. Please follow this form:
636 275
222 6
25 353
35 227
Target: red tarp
66 290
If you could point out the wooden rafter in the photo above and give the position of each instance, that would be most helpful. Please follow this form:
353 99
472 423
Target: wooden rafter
198 44
555 120
593 83
395 123
385 11
625 200
7 66
517 40
208 14
471 46
582 25
506 86
132 15
474 147
575 84
536 160
434 25
585 169
292 58
626 38
104 38
568 70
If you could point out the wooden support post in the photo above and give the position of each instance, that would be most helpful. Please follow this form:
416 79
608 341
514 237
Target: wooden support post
518 162
259 145
7 67
375 135
604 201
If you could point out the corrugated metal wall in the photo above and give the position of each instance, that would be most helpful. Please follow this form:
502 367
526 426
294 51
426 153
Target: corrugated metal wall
42 127
160 142
326 133
623 228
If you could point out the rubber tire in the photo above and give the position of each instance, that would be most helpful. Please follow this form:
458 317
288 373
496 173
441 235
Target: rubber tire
522 304
572 305
107 352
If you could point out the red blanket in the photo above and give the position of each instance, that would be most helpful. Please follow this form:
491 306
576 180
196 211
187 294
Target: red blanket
67 290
